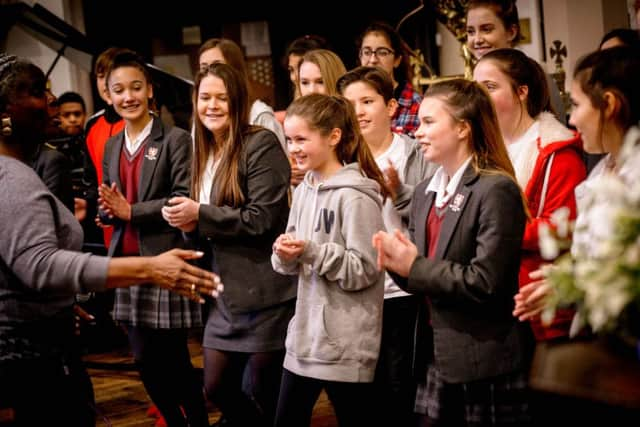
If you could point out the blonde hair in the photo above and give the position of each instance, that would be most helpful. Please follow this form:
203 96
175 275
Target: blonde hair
330 65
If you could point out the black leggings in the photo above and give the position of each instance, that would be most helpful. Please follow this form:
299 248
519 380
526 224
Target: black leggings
352 402
163 360
223 375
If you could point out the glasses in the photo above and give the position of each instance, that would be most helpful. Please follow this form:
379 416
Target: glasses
380 53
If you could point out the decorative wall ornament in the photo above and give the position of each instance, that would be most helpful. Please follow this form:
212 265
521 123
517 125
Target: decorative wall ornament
558 52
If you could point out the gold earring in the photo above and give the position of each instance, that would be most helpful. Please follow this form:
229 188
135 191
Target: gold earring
6 126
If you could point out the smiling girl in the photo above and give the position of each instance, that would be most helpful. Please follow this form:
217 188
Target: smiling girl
467 223
334 337
238 206
546 156
494 24
143 166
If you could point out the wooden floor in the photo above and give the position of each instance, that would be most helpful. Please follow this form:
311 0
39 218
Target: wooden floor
121 400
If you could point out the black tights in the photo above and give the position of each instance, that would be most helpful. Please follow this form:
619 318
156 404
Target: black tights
223 374
352 402
163 360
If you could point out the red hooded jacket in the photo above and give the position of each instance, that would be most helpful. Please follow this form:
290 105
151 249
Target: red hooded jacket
559 157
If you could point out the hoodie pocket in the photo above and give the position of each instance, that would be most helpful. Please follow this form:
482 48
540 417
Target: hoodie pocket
307 337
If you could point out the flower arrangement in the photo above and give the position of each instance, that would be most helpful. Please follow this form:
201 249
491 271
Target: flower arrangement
600 277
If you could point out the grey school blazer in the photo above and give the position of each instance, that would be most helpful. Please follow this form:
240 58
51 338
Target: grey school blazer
240 238
164 173
471 280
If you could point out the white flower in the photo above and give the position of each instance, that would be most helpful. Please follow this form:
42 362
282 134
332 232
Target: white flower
604 271
597 318
548 244
560 217
601 226
632 254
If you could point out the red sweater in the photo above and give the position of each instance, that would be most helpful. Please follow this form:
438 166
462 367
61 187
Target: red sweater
99 131
567 170
130 177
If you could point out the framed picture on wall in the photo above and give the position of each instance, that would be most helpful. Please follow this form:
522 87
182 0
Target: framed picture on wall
525 30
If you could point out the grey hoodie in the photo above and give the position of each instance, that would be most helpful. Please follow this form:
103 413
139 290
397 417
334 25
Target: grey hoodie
335 332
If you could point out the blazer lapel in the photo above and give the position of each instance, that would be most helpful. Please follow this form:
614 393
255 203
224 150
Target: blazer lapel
114 161
152 151
421 221
454 212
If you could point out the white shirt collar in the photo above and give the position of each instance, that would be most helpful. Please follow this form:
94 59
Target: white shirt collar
132 146
443 186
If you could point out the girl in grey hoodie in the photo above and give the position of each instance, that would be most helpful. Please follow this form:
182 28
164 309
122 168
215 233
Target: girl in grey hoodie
333 339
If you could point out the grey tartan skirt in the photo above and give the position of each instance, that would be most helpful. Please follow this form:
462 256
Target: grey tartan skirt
496 401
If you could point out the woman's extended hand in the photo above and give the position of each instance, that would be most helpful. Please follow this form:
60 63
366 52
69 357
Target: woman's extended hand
182 213
395 252
170 270
113 202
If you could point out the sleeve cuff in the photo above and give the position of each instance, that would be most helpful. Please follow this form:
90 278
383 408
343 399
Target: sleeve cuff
94 274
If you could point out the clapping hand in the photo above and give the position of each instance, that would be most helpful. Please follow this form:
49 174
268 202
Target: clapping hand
297 174
396 252
288 248
532 297
182 213
113 203
393 179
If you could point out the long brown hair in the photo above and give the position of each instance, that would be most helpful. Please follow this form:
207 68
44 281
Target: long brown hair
229 150
521 70
327 112
505 10
468 101
613 70
234 56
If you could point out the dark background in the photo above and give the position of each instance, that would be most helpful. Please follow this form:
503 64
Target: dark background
153 28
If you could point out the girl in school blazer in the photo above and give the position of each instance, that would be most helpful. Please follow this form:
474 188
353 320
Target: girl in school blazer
467 223
144 166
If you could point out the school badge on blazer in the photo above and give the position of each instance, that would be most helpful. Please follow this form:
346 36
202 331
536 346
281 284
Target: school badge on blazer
152 153
457 202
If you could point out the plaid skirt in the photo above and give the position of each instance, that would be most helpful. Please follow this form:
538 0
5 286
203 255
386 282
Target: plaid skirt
153 307
496 401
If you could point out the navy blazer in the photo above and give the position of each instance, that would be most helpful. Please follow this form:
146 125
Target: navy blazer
472 278
164 173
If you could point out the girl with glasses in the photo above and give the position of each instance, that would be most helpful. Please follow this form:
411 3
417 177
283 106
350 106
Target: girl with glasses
380 45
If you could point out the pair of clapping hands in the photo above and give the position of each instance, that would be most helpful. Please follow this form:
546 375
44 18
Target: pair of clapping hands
169 270
397 253
179 212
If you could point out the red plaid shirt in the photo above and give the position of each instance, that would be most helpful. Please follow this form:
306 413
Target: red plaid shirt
406 120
